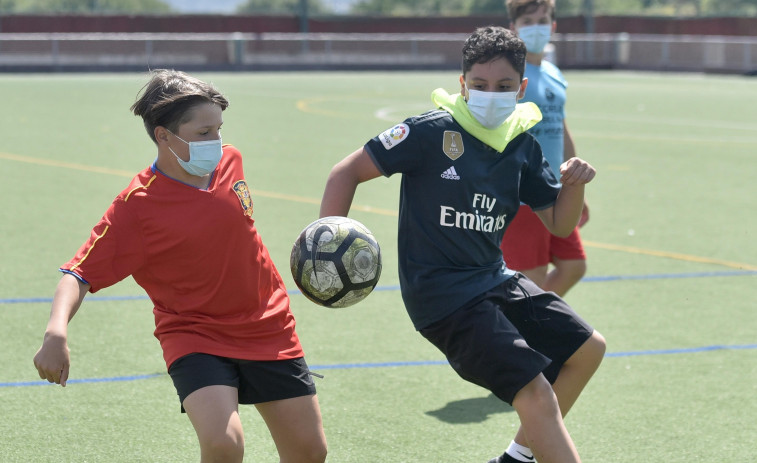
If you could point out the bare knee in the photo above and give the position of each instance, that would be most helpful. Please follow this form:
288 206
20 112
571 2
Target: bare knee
223 447
537 397
572 270
589 355
596 347
318 453
314 453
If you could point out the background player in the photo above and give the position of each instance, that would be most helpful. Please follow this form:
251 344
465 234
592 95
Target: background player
528 246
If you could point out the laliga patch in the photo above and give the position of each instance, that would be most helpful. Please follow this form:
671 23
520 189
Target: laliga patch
453 144
243 193
394 136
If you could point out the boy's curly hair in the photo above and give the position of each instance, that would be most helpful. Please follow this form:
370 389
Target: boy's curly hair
492 42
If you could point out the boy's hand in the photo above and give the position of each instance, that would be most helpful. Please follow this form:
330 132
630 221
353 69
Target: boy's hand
576 171
53 360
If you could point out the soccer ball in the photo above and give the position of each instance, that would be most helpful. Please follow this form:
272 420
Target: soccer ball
336 262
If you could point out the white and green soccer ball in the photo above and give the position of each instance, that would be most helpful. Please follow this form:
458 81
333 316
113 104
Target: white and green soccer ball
336 262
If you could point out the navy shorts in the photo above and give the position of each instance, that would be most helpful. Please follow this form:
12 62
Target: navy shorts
505 338
255 381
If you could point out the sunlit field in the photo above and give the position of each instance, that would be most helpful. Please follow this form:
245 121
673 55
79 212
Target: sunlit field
671 255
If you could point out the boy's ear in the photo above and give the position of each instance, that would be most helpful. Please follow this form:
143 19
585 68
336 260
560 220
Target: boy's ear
161 134
462 85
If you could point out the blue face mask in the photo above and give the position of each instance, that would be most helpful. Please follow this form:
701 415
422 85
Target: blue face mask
204 156
535 37
491 109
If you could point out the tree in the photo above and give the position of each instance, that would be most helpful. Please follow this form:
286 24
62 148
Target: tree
731 7
7 6
287 7
84 6
411 7
489 7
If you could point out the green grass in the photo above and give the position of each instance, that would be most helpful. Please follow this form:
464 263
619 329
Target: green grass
674 197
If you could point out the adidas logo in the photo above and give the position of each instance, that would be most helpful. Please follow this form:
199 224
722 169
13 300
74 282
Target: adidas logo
450 174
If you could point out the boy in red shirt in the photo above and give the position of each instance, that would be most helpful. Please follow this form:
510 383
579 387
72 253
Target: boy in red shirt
183 229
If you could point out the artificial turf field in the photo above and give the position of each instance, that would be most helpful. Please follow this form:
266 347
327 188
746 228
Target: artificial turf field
671 256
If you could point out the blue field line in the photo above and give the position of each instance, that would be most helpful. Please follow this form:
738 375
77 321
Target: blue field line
292 292
661 276
689 350
114 379
347 366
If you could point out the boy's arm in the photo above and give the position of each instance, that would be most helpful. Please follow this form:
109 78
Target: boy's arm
569 147
343 180
52 359
569 151
562 218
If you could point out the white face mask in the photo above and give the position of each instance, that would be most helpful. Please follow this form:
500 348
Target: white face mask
535 37
204 156
491 109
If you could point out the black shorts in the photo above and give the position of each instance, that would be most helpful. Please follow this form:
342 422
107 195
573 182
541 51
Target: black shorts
503 339
255 381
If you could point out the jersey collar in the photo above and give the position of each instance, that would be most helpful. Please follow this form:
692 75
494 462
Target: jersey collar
525 116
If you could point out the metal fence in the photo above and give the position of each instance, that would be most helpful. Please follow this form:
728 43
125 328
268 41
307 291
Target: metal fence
59 52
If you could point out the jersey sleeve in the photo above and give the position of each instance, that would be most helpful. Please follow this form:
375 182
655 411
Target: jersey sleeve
539 186
113 251
397 149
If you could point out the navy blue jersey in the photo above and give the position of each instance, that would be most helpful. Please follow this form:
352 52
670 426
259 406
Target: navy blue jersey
457 197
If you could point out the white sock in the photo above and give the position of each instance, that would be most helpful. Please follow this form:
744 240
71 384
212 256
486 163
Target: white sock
520 452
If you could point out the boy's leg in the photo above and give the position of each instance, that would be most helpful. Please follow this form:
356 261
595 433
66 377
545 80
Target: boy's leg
526 245
540 419
296 427
569 260
578 370
576 348
538 275
565 274
573 376
213 411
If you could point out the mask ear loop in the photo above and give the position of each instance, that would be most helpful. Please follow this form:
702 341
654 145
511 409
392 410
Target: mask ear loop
174 152
177 136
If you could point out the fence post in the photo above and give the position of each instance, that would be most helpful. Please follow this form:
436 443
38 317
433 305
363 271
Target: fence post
622 50
748 57
55 51
148 52
714 53
236 49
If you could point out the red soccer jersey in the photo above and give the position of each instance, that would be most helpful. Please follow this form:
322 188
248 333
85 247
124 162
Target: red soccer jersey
201 261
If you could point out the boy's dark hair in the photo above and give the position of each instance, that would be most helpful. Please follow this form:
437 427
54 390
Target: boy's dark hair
517 8
168 98
493 42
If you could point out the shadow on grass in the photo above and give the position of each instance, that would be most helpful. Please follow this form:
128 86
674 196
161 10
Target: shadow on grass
471 410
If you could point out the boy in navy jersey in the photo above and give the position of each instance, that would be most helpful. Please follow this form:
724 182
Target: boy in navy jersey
466 167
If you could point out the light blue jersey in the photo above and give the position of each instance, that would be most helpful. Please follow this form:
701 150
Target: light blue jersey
546 88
